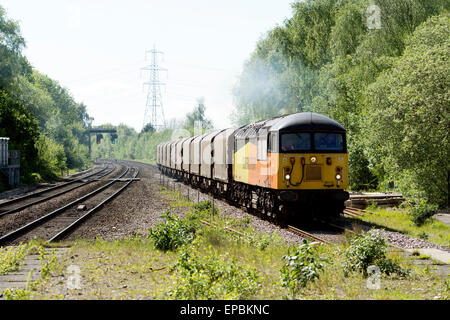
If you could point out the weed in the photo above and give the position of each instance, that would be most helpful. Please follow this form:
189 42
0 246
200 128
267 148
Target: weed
261 241
421 212
16 294
173 233
372 206
368 249
423 235
436 262
211 276
302 267
205 206
11 258
47 261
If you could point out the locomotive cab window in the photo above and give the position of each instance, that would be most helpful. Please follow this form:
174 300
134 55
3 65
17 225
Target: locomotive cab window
295 142
328 141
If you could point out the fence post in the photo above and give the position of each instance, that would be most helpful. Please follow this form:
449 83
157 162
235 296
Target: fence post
212 213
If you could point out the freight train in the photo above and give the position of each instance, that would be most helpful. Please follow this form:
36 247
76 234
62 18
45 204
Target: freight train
291 167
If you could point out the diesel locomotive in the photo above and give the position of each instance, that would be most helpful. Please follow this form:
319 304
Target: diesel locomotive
289 167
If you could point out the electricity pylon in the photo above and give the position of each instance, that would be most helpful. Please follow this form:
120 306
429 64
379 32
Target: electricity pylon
154 112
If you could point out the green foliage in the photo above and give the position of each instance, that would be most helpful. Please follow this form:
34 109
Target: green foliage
130 144
37 114
11 44
51 157
423 235
422 212
48 261
303 266
409 115
12 257
369 249
17 123
205 206
16 294
173 233
212 276
197 116
142 145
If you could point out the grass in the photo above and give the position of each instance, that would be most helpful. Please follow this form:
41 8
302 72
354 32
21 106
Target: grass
432 230
176 199
218 264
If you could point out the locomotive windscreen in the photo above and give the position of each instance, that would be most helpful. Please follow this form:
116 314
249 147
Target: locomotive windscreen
328 141
312 142
296 142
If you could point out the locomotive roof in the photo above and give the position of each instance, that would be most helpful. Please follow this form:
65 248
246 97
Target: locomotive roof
295 121
306 121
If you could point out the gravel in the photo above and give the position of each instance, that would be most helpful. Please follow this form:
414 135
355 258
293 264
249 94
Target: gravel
15 220
405 242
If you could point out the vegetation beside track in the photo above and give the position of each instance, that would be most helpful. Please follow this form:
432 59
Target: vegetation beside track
12 257
400 220
223 259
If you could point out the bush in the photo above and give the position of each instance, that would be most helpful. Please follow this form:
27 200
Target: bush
369 249
302 267
421 212
51 157
173 233
210 276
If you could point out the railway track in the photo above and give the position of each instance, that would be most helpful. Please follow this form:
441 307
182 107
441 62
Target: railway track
20 203
60 222
306 235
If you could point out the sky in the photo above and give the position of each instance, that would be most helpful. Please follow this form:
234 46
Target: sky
96 49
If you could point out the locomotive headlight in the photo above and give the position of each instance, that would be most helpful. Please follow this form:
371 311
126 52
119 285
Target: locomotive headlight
338 177
288 177
313 159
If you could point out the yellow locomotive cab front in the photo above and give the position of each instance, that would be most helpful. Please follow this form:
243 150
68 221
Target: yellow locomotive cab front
312 171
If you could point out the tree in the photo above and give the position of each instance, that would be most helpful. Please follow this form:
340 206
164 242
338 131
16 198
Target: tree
17 123
197 116
11 45
408 120
148 128
40 117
